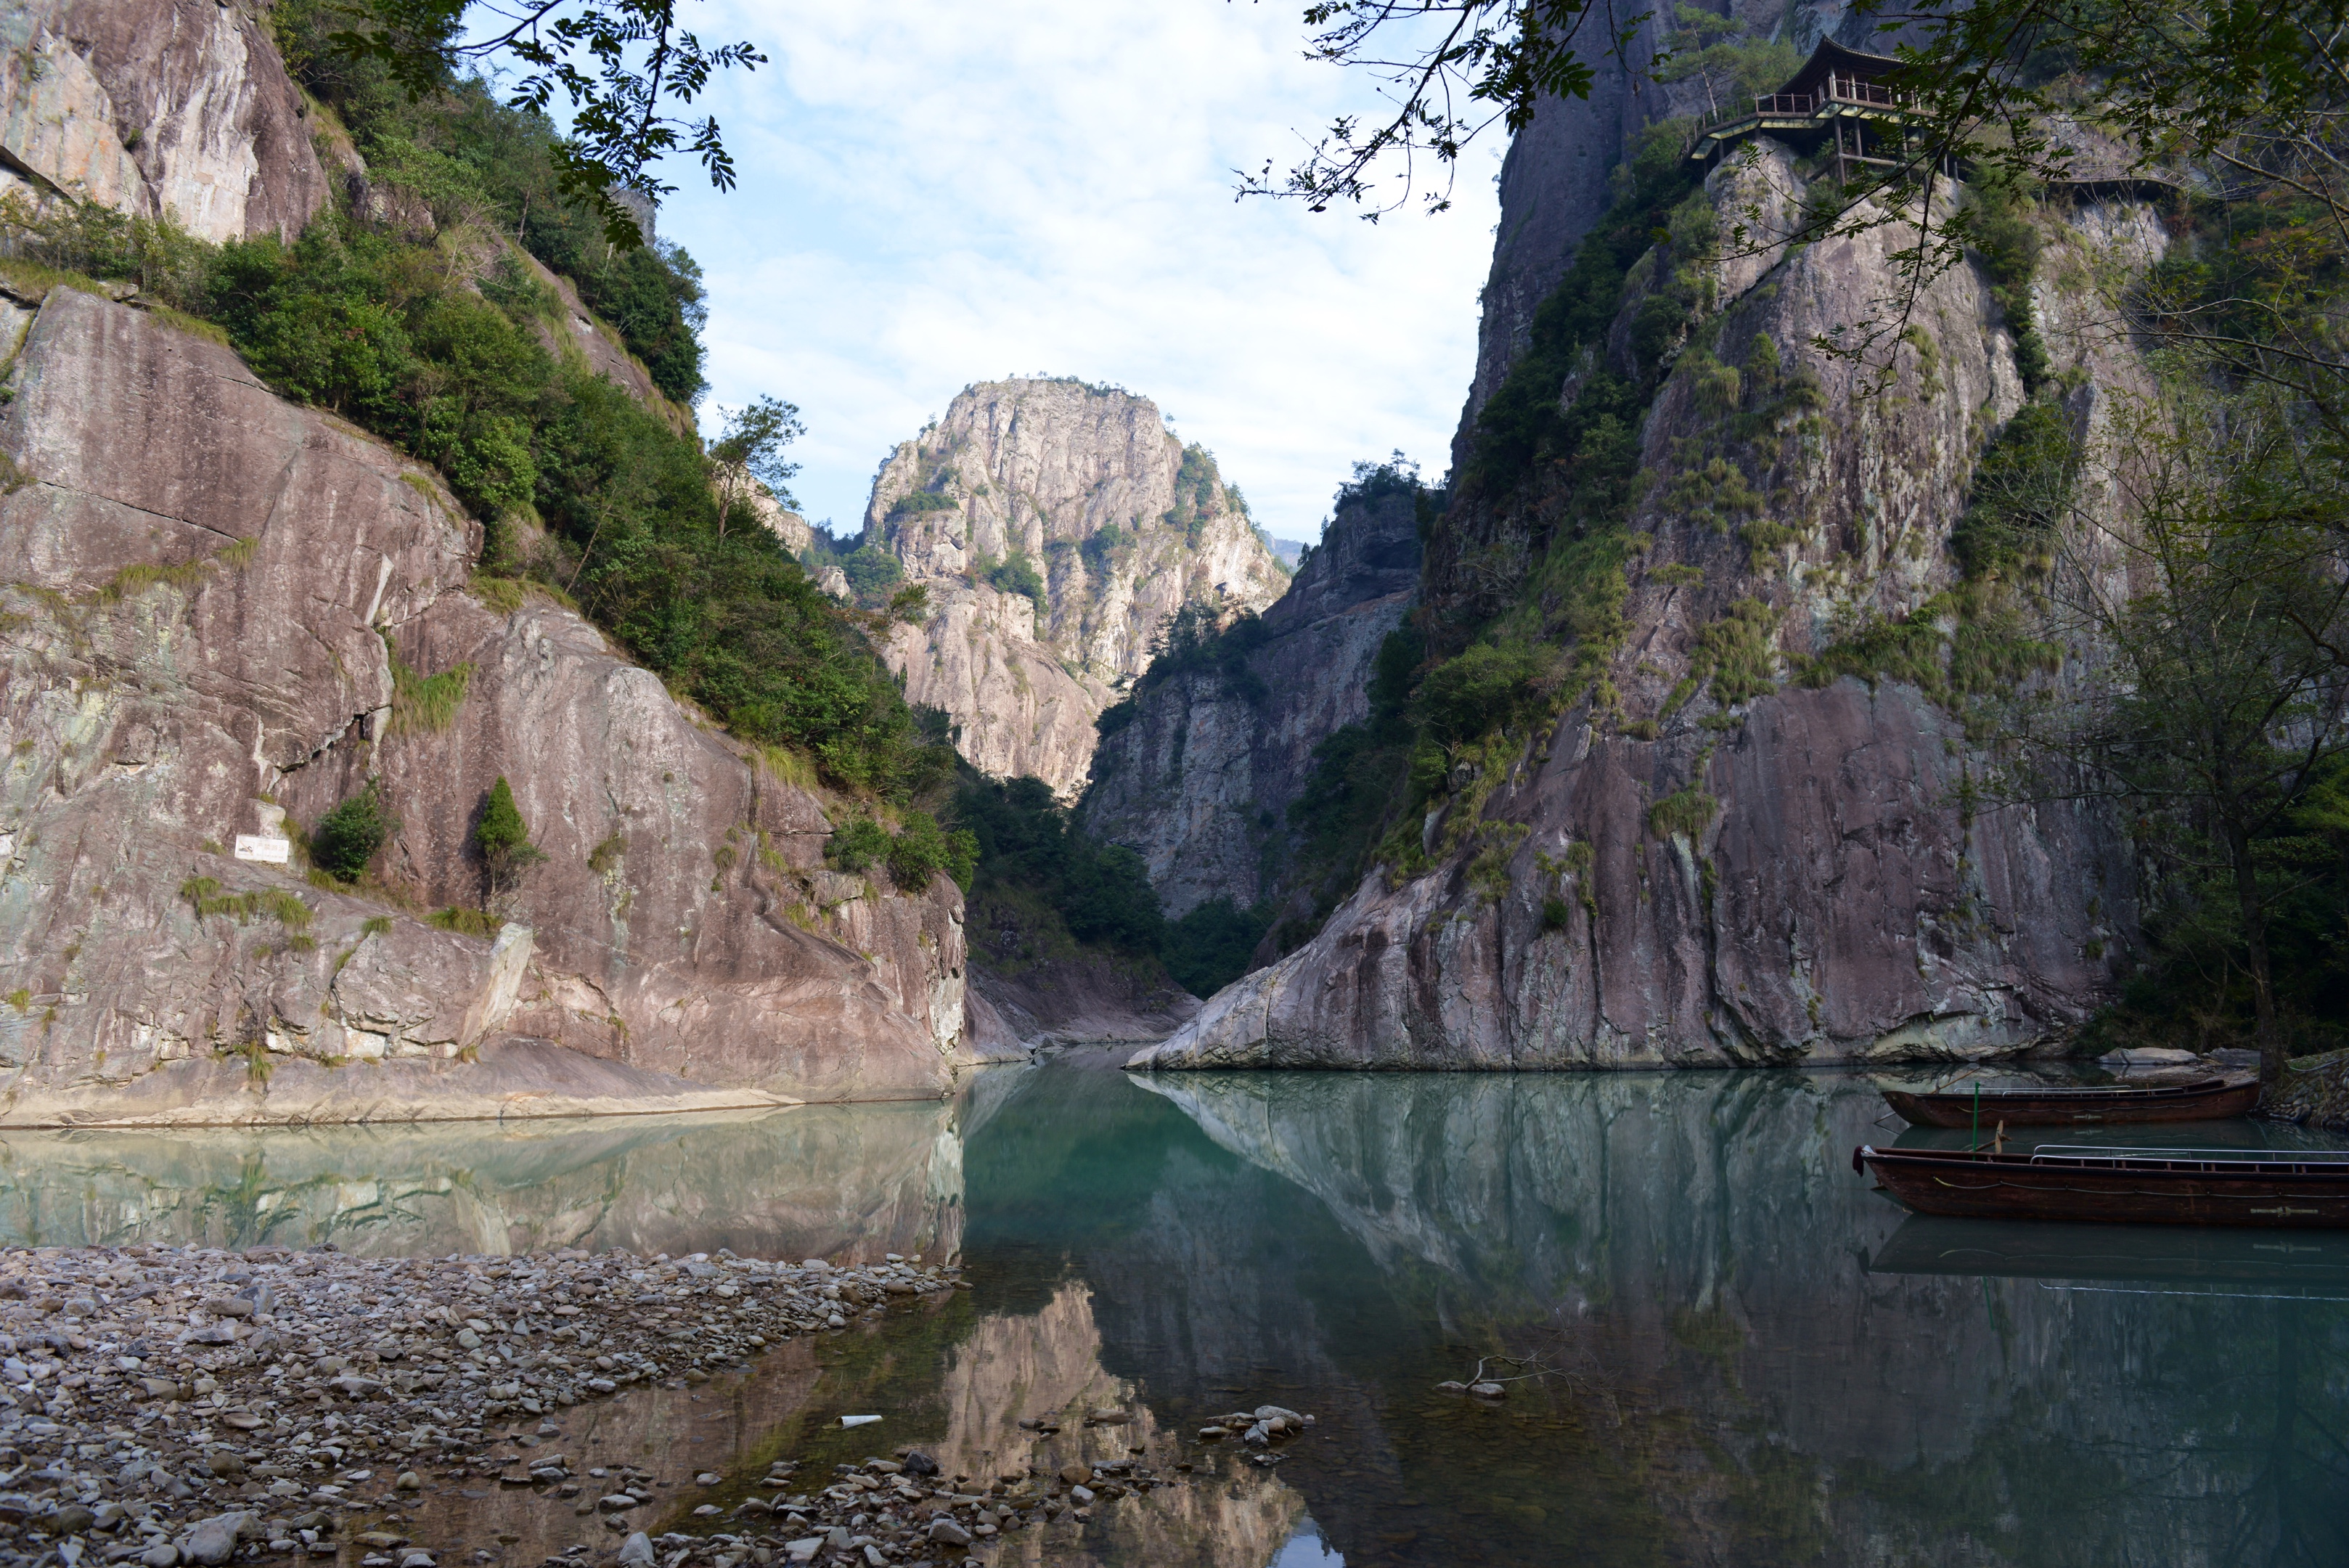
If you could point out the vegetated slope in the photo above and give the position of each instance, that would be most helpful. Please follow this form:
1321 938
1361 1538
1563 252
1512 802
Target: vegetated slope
1687 774
1057 527
228 616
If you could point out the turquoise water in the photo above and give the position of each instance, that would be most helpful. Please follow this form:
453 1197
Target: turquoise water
1724 1347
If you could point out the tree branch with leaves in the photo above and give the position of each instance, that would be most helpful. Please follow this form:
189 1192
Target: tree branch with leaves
624 71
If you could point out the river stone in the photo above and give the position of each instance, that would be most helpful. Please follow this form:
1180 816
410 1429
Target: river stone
636 1552
213 1541
947 1533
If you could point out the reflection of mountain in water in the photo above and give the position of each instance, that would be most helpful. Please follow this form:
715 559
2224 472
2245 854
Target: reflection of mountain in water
1693 1251
837 1181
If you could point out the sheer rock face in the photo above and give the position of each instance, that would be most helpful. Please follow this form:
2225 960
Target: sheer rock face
1819 890
1045 471
1200 783
205 587
158 107
1557 179
1017 707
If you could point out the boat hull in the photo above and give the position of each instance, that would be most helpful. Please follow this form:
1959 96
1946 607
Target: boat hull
1984 1185
2078 1107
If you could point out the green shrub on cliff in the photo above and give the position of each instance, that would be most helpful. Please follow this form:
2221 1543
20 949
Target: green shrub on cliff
504 838
347 837
918 850
1016 574
468 158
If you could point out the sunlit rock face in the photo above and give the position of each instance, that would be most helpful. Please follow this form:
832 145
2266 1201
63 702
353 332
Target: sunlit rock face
1121 524
206 590
162 109
1201 780
1664 874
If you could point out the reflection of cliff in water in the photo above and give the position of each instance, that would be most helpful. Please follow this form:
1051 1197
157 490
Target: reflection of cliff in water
838 1181
1692 1254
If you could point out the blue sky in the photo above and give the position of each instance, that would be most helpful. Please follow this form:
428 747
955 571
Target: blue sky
933 194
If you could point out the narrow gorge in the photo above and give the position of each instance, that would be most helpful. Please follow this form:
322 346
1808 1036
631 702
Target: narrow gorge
1644 738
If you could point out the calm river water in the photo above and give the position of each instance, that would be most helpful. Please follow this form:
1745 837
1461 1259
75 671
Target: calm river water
1728 1349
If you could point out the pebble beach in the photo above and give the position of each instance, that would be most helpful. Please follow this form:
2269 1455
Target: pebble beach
184 1406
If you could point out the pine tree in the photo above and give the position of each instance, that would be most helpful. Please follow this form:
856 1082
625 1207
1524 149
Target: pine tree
504 840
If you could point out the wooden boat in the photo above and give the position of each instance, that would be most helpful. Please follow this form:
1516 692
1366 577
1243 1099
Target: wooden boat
2284 1188
2213 1099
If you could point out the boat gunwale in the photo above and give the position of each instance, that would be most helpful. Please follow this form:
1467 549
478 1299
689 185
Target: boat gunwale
2133 1163
2091 1092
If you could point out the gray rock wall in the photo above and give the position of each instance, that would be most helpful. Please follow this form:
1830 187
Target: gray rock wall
1200 783
158 107
201 590
1840 899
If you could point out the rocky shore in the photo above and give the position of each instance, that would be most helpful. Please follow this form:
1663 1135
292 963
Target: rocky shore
177 1406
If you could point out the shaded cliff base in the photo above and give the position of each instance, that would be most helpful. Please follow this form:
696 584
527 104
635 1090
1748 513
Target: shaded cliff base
1087 999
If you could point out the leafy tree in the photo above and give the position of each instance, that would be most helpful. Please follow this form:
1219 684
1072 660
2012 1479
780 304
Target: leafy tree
347 838
1025 838
750 453
872 573
2220 606
1210 947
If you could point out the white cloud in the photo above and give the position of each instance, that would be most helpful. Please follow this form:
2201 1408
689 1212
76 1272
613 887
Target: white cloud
934 194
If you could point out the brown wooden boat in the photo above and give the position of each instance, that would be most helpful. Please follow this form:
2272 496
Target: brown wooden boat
2149 1186
2213 1099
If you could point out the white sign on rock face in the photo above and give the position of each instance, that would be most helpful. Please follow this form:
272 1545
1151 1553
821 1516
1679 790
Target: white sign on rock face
255 847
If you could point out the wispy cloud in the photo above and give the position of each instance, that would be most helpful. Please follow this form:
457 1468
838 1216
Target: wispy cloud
933 194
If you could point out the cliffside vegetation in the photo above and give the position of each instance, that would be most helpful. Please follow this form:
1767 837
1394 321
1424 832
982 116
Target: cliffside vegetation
1040 874
413 310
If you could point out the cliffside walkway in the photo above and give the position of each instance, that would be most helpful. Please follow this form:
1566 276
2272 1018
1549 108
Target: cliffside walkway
1839 92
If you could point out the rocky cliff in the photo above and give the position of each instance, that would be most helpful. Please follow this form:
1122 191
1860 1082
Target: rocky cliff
1562 171
1201 779
222 614
1057 527
176 109
1721 853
